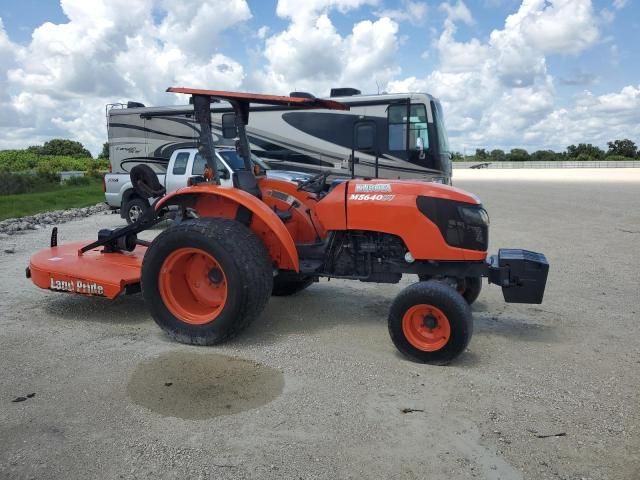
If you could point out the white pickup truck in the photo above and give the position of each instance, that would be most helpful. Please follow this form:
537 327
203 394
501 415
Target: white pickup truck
183 164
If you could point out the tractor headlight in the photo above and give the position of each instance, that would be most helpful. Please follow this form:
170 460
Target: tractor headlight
462 225
474 216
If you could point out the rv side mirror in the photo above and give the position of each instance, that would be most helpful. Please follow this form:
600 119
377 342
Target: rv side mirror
364 138
229 125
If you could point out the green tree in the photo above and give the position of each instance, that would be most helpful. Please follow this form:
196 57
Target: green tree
105 151
456 157
518 155
544 156
498 155
59 146
624 148
481 154
584 150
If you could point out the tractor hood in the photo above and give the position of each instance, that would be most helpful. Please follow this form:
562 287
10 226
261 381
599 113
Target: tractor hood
418 188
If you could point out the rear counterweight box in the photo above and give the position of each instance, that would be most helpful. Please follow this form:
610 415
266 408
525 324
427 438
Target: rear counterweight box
521 274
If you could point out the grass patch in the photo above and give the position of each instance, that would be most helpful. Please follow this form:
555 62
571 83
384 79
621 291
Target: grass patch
59 197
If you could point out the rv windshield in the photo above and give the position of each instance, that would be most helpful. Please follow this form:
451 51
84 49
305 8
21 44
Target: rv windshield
397 120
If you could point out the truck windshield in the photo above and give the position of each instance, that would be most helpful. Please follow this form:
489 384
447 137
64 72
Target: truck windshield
236 163
231 157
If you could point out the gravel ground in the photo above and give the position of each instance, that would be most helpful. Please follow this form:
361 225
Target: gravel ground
315 389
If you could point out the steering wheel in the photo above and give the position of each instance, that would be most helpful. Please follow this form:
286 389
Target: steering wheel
314 184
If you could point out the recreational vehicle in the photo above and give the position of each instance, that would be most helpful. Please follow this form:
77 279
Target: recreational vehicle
383 135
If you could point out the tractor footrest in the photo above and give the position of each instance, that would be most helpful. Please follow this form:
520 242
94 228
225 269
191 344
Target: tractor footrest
522 274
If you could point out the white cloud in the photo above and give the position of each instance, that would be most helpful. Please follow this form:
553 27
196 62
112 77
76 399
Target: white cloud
457 12
310 54
112 50
410 11
495 91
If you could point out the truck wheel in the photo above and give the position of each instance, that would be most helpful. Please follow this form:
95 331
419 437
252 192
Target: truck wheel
134 209
206 280
284 285
469 288
430 322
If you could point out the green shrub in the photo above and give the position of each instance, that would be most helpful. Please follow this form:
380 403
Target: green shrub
12 183
29 160
78 181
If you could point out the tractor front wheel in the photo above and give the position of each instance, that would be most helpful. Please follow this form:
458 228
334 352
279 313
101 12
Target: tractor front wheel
469 287
206 280
430 322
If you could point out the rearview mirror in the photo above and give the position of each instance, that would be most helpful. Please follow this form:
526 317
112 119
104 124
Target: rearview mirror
229 125
364 138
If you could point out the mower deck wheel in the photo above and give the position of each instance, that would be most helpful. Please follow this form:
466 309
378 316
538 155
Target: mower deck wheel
206 280
430 322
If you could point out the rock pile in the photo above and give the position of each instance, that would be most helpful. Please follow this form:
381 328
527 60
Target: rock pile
11 226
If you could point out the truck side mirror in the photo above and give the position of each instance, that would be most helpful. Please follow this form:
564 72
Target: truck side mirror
229 125
223 173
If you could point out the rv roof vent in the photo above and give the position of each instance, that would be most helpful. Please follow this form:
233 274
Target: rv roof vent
135 105
301 95
344 92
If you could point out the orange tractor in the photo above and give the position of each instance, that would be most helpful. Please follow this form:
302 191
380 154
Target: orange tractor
211 273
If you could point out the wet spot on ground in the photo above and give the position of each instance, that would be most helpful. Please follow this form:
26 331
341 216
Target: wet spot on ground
196 386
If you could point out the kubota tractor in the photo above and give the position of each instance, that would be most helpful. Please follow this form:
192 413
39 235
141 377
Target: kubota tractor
208 275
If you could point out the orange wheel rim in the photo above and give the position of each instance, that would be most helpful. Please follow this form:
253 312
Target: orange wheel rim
193 286
426 327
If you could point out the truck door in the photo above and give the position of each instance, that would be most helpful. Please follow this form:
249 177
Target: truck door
177 173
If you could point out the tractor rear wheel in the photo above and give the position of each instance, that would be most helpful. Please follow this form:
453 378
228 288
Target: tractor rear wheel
430 322
469 287
206 280
284 284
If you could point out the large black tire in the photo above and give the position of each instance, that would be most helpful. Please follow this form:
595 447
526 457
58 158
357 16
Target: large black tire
445 308
245 265
134 208
470 287
284 284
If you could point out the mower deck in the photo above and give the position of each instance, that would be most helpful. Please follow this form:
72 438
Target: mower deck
95 273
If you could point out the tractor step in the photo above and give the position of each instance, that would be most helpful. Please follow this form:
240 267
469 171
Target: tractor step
65 269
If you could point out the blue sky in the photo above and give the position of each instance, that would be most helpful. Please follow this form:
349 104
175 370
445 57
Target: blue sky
541 74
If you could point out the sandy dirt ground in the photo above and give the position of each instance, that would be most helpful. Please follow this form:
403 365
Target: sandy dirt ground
315 388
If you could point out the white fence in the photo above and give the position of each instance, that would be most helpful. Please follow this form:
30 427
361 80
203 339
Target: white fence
559 164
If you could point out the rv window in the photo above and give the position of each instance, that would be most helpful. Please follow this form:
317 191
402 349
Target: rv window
397 124
180 165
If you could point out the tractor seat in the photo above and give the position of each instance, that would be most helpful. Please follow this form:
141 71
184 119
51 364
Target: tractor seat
244 180
145 182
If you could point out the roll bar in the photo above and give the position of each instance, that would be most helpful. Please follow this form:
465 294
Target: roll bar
240 102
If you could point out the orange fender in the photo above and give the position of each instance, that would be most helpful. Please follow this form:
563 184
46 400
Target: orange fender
211 200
